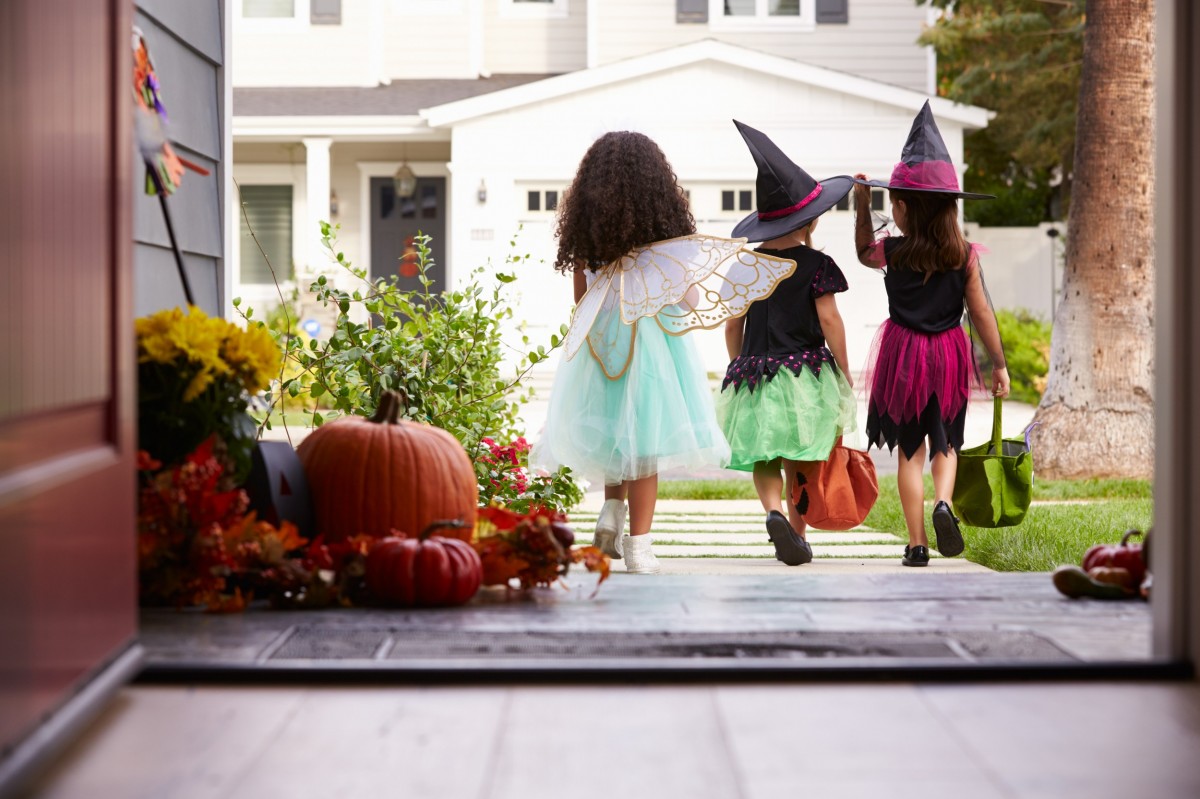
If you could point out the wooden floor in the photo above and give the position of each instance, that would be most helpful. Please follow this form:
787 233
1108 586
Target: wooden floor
1056 741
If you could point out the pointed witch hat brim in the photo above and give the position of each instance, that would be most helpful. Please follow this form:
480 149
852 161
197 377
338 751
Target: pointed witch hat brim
925 164
788 198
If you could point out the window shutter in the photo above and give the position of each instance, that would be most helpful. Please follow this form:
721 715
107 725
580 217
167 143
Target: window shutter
326 12
833 12
268 211
691 10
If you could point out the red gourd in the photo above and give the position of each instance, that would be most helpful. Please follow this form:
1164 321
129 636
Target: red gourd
1122 556
426 571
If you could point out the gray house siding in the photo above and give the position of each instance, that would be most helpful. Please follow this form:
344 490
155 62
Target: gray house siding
186 41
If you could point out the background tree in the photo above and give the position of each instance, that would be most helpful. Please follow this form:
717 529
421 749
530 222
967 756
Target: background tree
1097 413
1021 59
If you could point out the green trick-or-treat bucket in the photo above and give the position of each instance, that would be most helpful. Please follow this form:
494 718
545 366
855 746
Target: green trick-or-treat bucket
994 482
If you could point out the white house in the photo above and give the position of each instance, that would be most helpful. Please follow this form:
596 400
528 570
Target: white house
491 104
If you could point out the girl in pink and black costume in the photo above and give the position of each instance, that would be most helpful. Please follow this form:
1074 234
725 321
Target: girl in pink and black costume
921 367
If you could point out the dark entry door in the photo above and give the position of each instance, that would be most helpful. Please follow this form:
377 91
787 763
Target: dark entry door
68 577
395 222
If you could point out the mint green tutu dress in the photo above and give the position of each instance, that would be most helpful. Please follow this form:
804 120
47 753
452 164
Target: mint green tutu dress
784 396
631 395
657 415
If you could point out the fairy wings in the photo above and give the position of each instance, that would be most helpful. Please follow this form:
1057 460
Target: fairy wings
685 283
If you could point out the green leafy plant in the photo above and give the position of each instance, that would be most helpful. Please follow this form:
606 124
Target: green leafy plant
1027 352
443 350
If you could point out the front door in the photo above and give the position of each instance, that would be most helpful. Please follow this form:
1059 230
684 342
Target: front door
395 224
68 578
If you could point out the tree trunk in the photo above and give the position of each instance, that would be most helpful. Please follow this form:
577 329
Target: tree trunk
1097 413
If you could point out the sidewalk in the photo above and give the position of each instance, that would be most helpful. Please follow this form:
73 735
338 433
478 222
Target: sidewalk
726 536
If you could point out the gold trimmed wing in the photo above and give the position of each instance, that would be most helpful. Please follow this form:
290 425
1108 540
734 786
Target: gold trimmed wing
685 283
696 281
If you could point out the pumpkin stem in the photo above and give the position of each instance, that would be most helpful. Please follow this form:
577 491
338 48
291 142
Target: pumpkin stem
1128 534
391 403
454 524
389 408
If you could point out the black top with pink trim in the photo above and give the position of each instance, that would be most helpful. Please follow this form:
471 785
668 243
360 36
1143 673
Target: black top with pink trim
783 330
927 304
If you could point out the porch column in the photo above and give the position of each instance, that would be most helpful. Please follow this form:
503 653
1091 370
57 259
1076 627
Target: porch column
313 259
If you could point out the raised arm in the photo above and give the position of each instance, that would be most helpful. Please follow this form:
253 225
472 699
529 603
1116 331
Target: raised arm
835 332
864 235
984 321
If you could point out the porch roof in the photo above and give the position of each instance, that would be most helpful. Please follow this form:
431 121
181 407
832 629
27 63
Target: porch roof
399 98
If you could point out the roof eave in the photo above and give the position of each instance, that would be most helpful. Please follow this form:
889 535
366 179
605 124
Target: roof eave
447 114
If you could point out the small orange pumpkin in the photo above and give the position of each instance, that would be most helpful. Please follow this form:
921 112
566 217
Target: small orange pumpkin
375 475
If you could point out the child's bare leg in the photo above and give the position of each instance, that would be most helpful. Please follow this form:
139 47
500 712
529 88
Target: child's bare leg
790 470
769 485
617 491
943 468
643 494
910 481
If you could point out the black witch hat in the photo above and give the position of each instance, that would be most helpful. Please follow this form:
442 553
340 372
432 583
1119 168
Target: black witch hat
925 163
787 197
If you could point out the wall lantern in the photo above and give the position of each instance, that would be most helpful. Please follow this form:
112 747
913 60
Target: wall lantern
333 205
404 182
481 192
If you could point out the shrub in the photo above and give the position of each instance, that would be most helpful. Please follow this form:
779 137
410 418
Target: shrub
1027 351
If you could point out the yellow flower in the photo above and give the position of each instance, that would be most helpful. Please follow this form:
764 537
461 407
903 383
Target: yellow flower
201 381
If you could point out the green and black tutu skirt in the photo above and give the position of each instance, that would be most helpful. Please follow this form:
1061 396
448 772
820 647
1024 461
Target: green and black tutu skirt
791 407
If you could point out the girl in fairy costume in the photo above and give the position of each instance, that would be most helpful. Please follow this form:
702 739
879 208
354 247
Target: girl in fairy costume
920 374
787 394
631 397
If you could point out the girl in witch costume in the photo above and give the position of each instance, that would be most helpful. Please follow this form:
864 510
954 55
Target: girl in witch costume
631 397
787 394
921 367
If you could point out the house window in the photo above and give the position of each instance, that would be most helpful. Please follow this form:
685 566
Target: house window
876 201
268 212
737 200
268 9
737 15
533 8
325 12
540 201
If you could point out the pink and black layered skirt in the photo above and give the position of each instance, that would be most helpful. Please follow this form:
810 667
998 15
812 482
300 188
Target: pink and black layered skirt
920 384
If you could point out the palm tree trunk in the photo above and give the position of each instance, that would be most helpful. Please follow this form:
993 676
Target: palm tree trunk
1097 413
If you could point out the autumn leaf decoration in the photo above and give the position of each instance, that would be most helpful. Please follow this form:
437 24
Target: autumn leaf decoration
535 548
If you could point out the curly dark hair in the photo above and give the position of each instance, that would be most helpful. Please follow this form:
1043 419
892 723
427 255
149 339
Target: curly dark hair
624 195
933 242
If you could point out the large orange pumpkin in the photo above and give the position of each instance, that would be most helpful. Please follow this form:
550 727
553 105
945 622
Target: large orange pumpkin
381 474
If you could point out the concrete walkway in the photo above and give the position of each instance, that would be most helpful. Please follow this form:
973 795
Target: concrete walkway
726 536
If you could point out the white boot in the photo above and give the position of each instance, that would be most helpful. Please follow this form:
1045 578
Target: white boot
610 527
639 557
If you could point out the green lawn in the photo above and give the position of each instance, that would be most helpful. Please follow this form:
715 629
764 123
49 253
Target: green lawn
1049 536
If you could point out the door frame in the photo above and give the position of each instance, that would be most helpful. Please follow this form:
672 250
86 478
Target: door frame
1175 556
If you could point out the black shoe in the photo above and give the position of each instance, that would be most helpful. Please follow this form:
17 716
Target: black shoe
789 547
945 526
915 556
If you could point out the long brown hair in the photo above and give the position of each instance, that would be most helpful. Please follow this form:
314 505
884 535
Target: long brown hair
624 195
933 240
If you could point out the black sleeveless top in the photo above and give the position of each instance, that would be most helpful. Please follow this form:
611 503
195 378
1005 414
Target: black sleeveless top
783 330
927 306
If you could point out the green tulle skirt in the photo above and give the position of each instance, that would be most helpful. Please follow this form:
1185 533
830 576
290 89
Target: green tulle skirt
796 417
